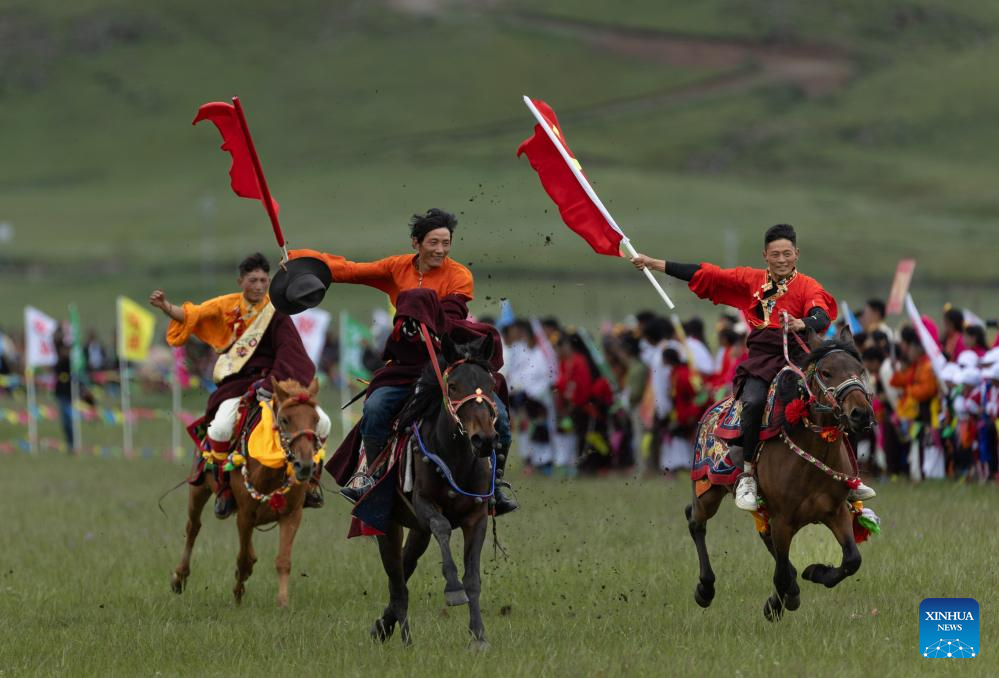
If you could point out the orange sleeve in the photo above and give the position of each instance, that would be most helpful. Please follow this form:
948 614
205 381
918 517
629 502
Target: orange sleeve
377 274
461 283
901 379
207 321
729 286
816 297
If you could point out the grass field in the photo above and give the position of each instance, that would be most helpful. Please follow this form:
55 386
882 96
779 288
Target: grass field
598 582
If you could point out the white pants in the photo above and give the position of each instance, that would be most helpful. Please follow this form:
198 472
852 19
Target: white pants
221 428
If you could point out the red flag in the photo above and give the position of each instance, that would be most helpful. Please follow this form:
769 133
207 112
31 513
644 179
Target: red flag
578 210
244 179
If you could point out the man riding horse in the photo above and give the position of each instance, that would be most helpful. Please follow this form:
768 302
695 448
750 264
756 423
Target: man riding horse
763 297
254 341
433 269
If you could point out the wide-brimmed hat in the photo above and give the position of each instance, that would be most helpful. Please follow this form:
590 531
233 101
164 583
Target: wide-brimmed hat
300 285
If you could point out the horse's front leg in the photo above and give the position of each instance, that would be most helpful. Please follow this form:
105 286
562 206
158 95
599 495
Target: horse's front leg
698 513
780 536
246 557
841 524
475 537
430 515
793 600
288 525
196 500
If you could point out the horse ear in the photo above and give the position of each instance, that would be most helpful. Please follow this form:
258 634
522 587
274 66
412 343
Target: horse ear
449 350
486 347
314 388
846 334
276 389
813 339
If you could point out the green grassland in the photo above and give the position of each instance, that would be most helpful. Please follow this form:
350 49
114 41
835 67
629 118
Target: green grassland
364 113
598 582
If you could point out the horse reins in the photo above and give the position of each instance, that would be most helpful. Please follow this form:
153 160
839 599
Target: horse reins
452 406
288 440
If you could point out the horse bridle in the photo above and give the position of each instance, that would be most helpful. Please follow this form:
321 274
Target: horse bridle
453 405
833 395
286 439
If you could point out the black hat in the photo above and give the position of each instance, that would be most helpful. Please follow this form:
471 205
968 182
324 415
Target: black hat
303 285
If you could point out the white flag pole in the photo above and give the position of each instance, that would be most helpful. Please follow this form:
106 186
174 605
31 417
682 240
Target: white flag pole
572 163
344 388
74 397
29 380
175 419
126 403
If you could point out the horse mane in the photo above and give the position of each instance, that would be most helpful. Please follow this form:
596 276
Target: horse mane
295 393
827 347
427 397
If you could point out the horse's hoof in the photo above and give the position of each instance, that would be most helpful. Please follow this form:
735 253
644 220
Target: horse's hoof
177 583
772 611
793 602
458 597
816 573
381 631
478 645
282 601
703 595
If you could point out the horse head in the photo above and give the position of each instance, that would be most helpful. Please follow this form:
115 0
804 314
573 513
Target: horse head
296 418
835 376
469 386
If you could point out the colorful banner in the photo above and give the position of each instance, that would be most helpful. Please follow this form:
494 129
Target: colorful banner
312 325
900 286
135 330
930 345
39 339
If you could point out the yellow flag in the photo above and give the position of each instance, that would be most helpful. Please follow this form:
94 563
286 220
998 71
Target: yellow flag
135 330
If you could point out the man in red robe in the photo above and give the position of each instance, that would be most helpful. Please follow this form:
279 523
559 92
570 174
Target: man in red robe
762 296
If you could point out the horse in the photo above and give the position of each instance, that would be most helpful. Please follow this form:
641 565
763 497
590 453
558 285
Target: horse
453 424
264 495
797 491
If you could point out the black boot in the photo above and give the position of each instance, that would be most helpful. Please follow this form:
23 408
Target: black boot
314 496
353 494
504 503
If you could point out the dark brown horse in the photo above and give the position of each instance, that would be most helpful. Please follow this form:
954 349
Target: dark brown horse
797 492
452 482
267 494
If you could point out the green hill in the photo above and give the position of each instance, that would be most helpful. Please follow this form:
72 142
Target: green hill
867 125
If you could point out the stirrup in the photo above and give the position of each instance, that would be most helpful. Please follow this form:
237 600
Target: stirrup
357 487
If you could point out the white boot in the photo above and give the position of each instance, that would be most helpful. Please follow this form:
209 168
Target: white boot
745 493
862 493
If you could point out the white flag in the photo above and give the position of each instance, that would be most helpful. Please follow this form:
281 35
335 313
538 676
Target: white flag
312 325
937 359
39 338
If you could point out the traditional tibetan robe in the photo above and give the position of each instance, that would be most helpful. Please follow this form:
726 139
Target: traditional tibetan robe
762 302
253 342
396 274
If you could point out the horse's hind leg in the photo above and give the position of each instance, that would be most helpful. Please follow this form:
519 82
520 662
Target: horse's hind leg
793 600
698 513
454 593
841 524
197 497
390 549
475 537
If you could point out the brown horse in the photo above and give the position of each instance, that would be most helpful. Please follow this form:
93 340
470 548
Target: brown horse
459 431
797 492
259 503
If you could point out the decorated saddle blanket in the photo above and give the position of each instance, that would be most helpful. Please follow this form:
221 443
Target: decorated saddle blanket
720 427
372 513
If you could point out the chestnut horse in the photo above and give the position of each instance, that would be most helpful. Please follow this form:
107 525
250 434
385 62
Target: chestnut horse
797 491
273 494
455 436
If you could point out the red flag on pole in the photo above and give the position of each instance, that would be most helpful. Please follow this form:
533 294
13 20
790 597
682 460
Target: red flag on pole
900 286
578 210
246 172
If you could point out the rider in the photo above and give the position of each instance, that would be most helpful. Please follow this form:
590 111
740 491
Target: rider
763 296
430 268
254 341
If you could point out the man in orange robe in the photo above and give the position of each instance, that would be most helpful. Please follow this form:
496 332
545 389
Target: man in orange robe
430 268
254 341
762 296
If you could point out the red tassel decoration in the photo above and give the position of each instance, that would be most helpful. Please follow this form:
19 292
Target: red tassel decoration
853 483
795 411
278 502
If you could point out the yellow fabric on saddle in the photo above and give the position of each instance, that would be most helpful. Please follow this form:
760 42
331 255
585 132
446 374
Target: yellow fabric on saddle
264 443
